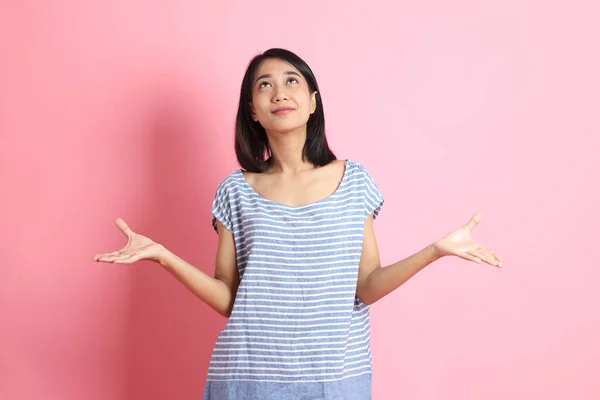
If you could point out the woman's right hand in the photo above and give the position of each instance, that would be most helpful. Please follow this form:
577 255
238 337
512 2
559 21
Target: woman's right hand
138 248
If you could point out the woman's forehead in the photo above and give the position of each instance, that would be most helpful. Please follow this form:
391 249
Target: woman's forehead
275 66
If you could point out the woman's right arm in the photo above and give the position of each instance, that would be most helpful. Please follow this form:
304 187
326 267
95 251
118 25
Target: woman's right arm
218 292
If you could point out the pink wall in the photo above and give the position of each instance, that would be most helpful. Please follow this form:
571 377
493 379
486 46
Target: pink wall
126 108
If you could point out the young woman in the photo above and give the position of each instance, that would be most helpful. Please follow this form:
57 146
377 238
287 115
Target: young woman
297 260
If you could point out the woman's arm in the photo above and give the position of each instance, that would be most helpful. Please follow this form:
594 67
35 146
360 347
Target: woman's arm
218 292
375 282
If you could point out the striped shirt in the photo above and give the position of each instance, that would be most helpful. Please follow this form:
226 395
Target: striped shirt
297 328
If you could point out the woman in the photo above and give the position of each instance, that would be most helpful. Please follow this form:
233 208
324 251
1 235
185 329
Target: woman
297 260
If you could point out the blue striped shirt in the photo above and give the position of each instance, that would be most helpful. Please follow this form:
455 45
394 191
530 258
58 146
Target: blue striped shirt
297 329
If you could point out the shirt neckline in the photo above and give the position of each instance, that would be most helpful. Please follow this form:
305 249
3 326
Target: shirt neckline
317 202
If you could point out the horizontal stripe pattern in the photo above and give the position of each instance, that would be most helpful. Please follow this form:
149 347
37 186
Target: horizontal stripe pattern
296 318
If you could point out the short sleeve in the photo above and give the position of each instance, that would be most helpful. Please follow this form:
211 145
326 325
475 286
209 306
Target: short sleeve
221 207
373 199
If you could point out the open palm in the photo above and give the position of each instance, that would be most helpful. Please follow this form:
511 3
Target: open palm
138 248
460 243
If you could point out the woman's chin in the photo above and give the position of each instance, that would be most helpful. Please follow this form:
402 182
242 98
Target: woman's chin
286 126
285 129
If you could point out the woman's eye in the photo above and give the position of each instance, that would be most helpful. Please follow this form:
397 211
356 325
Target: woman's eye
267 84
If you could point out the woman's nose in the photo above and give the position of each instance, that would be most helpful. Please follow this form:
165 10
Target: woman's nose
279 94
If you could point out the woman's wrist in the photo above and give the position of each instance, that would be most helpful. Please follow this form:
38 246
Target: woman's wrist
164 257
434 252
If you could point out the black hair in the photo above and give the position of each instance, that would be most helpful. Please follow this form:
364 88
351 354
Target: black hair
251 142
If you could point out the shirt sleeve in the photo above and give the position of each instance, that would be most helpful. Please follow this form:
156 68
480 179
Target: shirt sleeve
221 207
373 199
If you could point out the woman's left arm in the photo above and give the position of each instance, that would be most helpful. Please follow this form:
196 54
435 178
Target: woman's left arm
375 282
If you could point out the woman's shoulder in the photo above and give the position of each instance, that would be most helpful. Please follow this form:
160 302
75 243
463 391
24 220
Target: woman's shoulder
356 167
230 181
361 172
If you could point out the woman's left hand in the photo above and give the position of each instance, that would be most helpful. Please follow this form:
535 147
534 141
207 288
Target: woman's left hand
459 243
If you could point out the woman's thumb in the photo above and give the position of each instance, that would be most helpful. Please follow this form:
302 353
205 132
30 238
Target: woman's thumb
123 227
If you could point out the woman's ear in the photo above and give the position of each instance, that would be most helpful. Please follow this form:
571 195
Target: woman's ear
313 102
252 113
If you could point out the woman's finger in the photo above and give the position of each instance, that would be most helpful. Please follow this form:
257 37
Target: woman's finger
102 257
491 255
484 256
105 255
114 256
471 257
496 255
124 227
474 220
130 259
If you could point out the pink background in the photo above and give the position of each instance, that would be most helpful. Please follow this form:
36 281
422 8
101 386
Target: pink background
126 108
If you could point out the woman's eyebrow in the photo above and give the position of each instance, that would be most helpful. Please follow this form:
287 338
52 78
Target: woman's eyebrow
269 75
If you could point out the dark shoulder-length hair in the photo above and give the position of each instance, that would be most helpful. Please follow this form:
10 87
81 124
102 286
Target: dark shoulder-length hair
251 143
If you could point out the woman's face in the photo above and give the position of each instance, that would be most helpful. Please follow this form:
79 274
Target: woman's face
281 99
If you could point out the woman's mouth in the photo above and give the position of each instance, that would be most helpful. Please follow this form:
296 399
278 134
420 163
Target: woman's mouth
282 110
